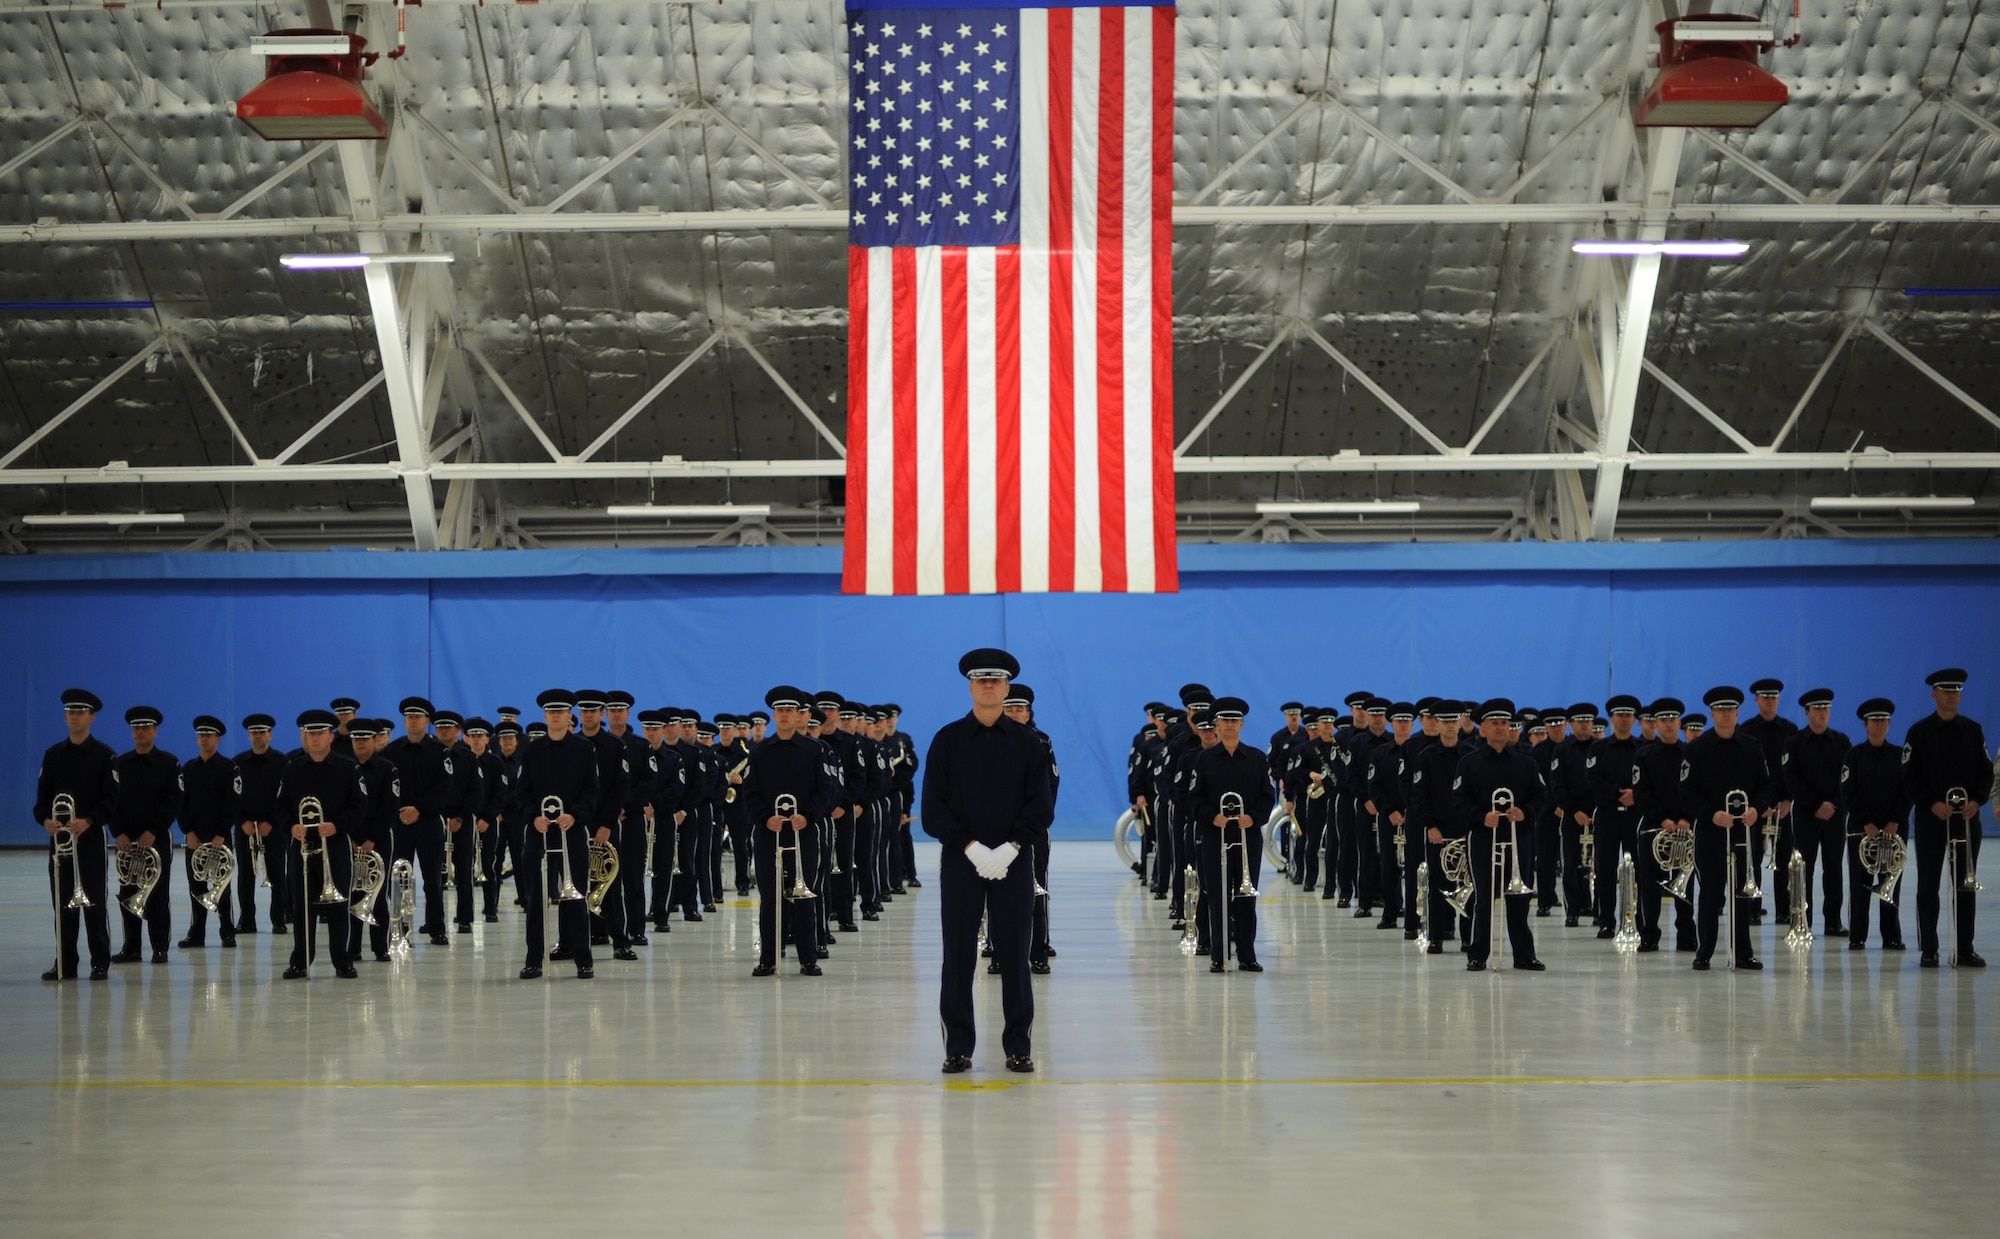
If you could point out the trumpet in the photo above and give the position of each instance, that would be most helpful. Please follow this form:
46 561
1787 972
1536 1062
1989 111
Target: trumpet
552 808
368 875
1673 851
138 867
1883 855
312 815
213 864
785 807
1800 935
403 915
63 809
1455 866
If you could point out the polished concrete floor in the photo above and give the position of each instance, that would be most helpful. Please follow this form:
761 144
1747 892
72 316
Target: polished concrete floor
1357 1087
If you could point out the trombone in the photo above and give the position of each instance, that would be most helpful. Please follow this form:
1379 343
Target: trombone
1423 905
1505 874
1737 805
1960 866
63 809
551 809
1243 888
786 807
312 815
403 914
1800 935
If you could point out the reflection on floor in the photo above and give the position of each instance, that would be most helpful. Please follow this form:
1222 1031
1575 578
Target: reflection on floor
1357 1084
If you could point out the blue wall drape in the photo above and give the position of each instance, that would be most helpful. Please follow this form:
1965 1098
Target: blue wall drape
711 629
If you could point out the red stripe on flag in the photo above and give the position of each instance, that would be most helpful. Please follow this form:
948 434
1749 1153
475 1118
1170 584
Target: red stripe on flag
854 556
904 389
1062 312
957 561
1111 297
1166 569
1007 417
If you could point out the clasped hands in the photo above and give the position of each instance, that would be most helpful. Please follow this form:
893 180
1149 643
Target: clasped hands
992 863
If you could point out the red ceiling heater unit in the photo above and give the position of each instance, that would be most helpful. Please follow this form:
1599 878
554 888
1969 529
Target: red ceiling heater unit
312 88
1709 75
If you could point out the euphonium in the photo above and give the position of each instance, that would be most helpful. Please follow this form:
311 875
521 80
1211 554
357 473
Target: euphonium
552 807
138 867
63 809
312 815
213 865
1455 865
603 873
785 807
1800 935
1673 851
368 876
1883 855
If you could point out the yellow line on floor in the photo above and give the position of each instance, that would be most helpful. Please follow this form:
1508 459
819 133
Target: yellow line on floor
1959 1077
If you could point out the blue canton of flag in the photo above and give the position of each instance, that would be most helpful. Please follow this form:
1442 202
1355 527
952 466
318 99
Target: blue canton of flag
934 135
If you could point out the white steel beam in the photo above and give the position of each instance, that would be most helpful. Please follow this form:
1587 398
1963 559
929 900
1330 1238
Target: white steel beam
1380 393
652 393
1507 400
1819 376
80 403
1695 402
332 416
1222 402
38 147
514 401
1635 320
798 402
1923 367
357 166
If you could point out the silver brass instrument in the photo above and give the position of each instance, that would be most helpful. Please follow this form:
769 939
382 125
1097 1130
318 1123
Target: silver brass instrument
1586 848
1626 940
1232 808
1737 805
312 815
450 871
1399 839
552 807
785 807
368 876
63 809
650 831
138 867
257 859
1503 800
1800 935
403 907
214 865
1190 901
1771 841
603 873
1423 904
1673 851
1959 866
1455 866
1883 855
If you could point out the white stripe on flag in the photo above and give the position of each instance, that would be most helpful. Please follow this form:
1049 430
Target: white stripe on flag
881 421
1084 278
1137 300
1034 83
981 437
930 419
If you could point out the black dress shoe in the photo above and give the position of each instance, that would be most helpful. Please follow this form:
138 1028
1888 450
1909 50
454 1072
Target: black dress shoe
530 972
1569 922
1701 965
1387 922
897 889
625 953
126 957
1475 965
1410 935
1929 959
280 927
381 957
871 916
825 954
229 943
955 1063
1646 948
246 927
190 943
440 938
640 940
692 917
1435 948
1530 965
1021 1063
600 939
99 971
1362 912
810 970
764 970
1049 951
993 969
53 974
1895 946
346 972
1753 964
1834 929
585 974
562 953
708 907
1971 959
159 957
465 927
849 927
1856 944
913 884
1343 902
1543 911
1248 965
492 918
1039 967
1605 932
1216 965
296 972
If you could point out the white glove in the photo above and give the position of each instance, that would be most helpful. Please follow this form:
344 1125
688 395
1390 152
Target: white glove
1003 856
979 854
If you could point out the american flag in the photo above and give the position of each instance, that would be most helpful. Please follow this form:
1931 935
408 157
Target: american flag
1010 300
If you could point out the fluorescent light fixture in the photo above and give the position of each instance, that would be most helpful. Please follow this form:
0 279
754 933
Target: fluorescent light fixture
1385 508
109 518
1695 31
343 262
1889 503
302 45
671 511
1665 249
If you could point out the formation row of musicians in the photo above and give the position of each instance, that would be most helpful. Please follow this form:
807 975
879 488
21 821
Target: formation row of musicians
1544 805
448 804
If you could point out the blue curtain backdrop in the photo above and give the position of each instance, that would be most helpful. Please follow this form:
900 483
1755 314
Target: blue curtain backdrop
711 629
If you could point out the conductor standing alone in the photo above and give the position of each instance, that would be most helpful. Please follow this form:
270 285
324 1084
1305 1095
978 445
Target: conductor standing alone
986 800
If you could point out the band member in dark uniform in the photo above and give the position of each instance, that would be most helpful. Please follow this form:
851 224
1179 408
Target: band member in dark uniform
208 807
77 770
1231 845
1494 766
1811 773
422 772
986 800
318 774
1947 776
1434 819
786 767
1873 800
1724 761
560 771
259 769
149 798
